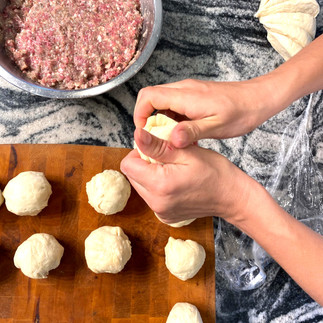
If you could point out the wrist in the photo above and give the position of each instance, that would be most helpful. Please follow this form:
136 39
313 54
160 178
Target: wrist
273 93
253 206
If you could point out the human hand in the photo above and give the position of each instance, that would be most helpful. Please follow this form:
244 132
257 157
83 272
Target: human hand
191 183
213 109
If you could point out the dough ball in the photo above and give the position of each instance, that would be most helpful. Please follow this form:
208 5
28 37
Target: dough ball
184 313
177 224
1 198
299 19
184 258
271 7
37 255
290 24
161 127
107 250
27 193
108 192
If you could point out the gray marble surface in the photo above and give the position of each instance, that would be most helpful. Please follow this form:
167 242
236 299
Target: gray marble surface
205 39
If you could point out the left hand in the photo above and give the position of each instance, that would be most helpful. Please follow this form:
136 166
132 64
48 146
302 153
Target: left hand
192 183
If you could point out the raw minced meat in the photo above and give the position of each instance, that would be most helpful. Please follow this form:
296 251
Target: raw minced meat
71 44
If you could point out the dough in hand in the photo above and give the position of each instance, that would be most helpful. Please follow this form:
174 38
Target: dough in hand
107 250
37 255
177 224
161 127
184 313
108 192
184 258
27 193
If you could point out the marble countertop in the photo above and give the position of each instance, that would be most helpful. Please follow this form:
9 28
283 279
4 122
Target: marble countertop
205 39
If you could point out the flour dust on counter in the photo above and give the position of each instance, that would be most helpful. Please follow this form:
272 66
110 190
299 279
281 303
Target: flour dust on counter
101 121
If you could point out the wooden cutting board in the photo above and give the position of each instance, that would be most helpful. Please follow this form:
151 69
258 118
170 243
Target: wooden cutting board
144 291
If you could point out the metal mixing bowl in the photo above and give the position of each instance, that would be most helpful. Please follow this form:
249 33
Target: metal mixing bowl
152 14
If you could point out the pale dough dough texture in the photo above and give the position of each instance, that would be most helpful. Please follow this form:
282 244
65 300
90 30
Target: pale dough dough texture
184 258
37 255
184 313
161 127
27 193
107 250
108 192
290 24
177 224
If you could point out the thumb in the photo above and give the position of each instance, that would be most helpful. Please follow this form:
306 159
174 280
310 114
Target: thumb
186 133
160 150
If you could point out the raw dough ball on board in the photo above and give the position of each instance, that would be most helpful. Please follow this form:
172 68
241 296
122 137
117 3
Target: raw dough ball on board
107 250
184 313
161 127
27 193
184 258
177 224
108 192
37 255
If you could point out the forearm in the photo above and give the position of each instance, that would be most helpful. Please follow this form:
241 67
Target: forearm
298 249
299 76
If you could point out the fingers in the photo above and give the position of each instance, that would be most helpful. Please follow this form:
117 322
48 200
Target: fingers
188 84
156 98
158 149
188 132
179 97
141 171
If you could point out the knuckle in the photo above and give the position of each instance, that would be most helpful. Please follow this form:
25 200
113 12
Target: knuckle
159 148
163 188
142 94
195 130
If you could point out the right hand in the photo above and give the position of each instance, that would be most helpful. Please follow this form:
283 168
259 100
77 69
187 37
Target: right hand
212 109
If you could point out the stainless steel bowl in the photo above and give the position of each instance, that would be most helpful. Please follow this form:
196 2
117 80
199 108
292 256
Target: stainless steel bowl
152 14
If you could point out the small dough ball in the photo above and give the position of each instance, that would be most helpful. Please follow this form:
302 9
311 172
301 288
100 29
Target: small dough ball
184 258
184 313
161 127
27 193
1 198
108 192
177 224
107 250
37 255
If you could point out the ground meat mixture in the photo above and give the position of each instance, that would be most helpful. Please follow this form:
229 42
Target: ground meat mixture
71 44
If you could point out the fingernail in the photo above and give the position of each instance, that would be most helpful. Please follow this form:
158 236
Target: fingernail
145 137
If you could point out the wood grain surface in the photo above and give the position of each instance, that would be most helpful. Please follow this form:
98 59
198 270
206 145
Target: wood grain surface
144 291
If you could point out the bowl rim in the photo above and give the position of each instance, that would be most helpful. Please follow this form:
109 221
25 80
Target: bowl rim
101 88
